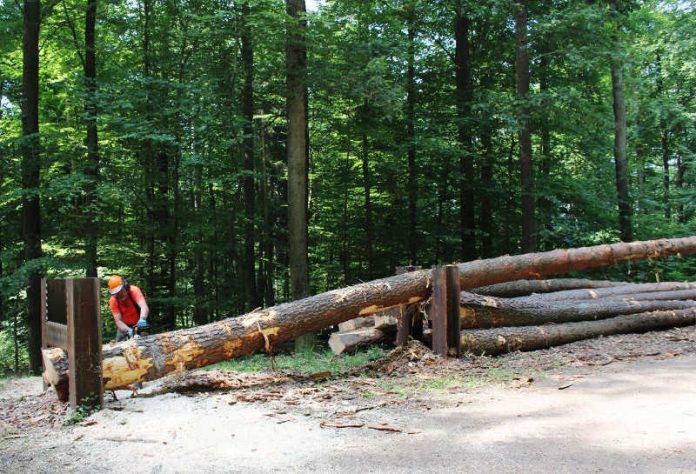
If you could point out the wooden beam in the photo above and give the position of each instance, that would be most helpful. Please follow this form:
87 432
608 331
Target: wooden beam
84 342
454 340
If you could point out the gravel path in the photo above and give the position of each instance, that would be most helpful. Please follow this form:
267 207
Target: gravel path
621 404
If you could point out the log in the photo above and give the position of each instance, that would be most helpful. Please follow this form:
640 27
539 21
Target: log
527 287
527 338
152 357
627 289
356 323
536 265
388 319
341 342
479 312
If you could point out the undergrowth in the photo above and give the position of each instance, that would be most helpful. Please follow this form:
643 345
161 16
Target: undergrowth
305 362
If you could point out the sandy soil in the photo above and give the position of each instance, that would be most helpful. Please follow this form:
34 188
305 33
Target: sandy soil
616 404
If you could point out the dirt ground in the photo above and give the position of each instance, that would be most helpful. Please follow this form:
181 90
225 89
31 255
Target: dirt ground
615 404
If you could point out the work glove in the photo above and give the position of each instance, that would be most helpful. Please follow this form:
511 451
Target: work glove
130 332
142 324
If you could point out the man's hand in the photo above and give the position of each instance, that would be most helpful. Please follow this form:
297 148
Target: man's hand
142 324
130 332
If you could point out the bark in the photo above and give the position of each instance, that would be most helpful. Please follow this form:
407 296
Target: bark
499 341
411 135
682 166
525 134
357 323
155 356
92 139
341 342
266 277
296 149
367 187
465 95
31 173
252 299
486 311
487 185
200 312
535 265
667 290
620 159
664 139
527 287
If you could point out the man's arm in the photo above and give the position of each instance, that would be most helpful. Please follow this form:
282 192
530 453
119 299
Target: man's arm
119 322
139 298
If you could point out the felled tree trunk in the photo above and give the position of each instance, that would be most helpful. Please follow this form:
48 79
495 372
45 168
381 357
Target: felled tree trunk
527 287
527 338
486 311
634 290
154 356
536 265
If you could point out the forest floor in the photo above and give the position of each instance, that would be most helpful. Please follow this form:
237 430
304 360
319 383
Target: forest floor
616 404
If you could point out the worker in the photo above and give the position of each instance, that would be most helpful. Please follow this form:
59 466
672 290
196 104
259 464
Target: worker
128 307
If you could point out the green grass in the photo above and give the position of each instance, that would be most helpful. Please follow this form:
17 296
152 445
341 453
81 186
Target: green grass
306 362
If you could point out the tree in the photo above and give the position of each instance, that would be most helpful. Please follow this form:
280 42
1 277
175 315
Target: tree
252 299
297 154
92 139
525 134
31 174
464 98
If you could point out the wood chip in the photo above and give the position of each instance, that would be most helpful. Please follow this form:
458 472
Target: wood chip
341 424
563 387
384 427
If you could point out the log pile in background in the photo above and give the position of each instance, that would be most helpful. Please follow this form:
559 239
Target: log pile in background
545 313
494 325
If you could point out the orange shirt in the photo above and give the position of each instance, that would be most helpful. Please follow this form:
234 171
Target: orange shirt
129 312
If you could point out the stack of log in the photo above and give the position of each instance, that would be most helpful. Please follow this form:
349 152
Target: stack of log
527 321
535 314
366 330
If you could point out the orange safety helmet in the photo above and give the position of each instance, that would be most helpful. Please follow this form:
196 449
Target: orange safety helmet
115 284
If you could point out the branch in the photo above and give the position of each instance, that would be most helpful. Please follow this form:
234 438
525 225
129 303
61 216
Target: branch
78 49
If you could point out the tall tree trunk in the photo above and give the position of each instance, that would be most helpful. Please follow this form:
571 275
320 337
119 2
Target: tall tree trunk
31 173
411 135
200 310
297 154
664 145
92 141
510 200
545 162
682 165
345 257
367 187
486 213
526 166
664 140
148 164
249 266
465 95
620 158
265 278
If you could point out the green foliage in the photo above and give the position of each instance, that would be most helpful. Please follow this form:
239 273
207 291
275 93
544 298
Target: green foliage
79 414
170 210
305 362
